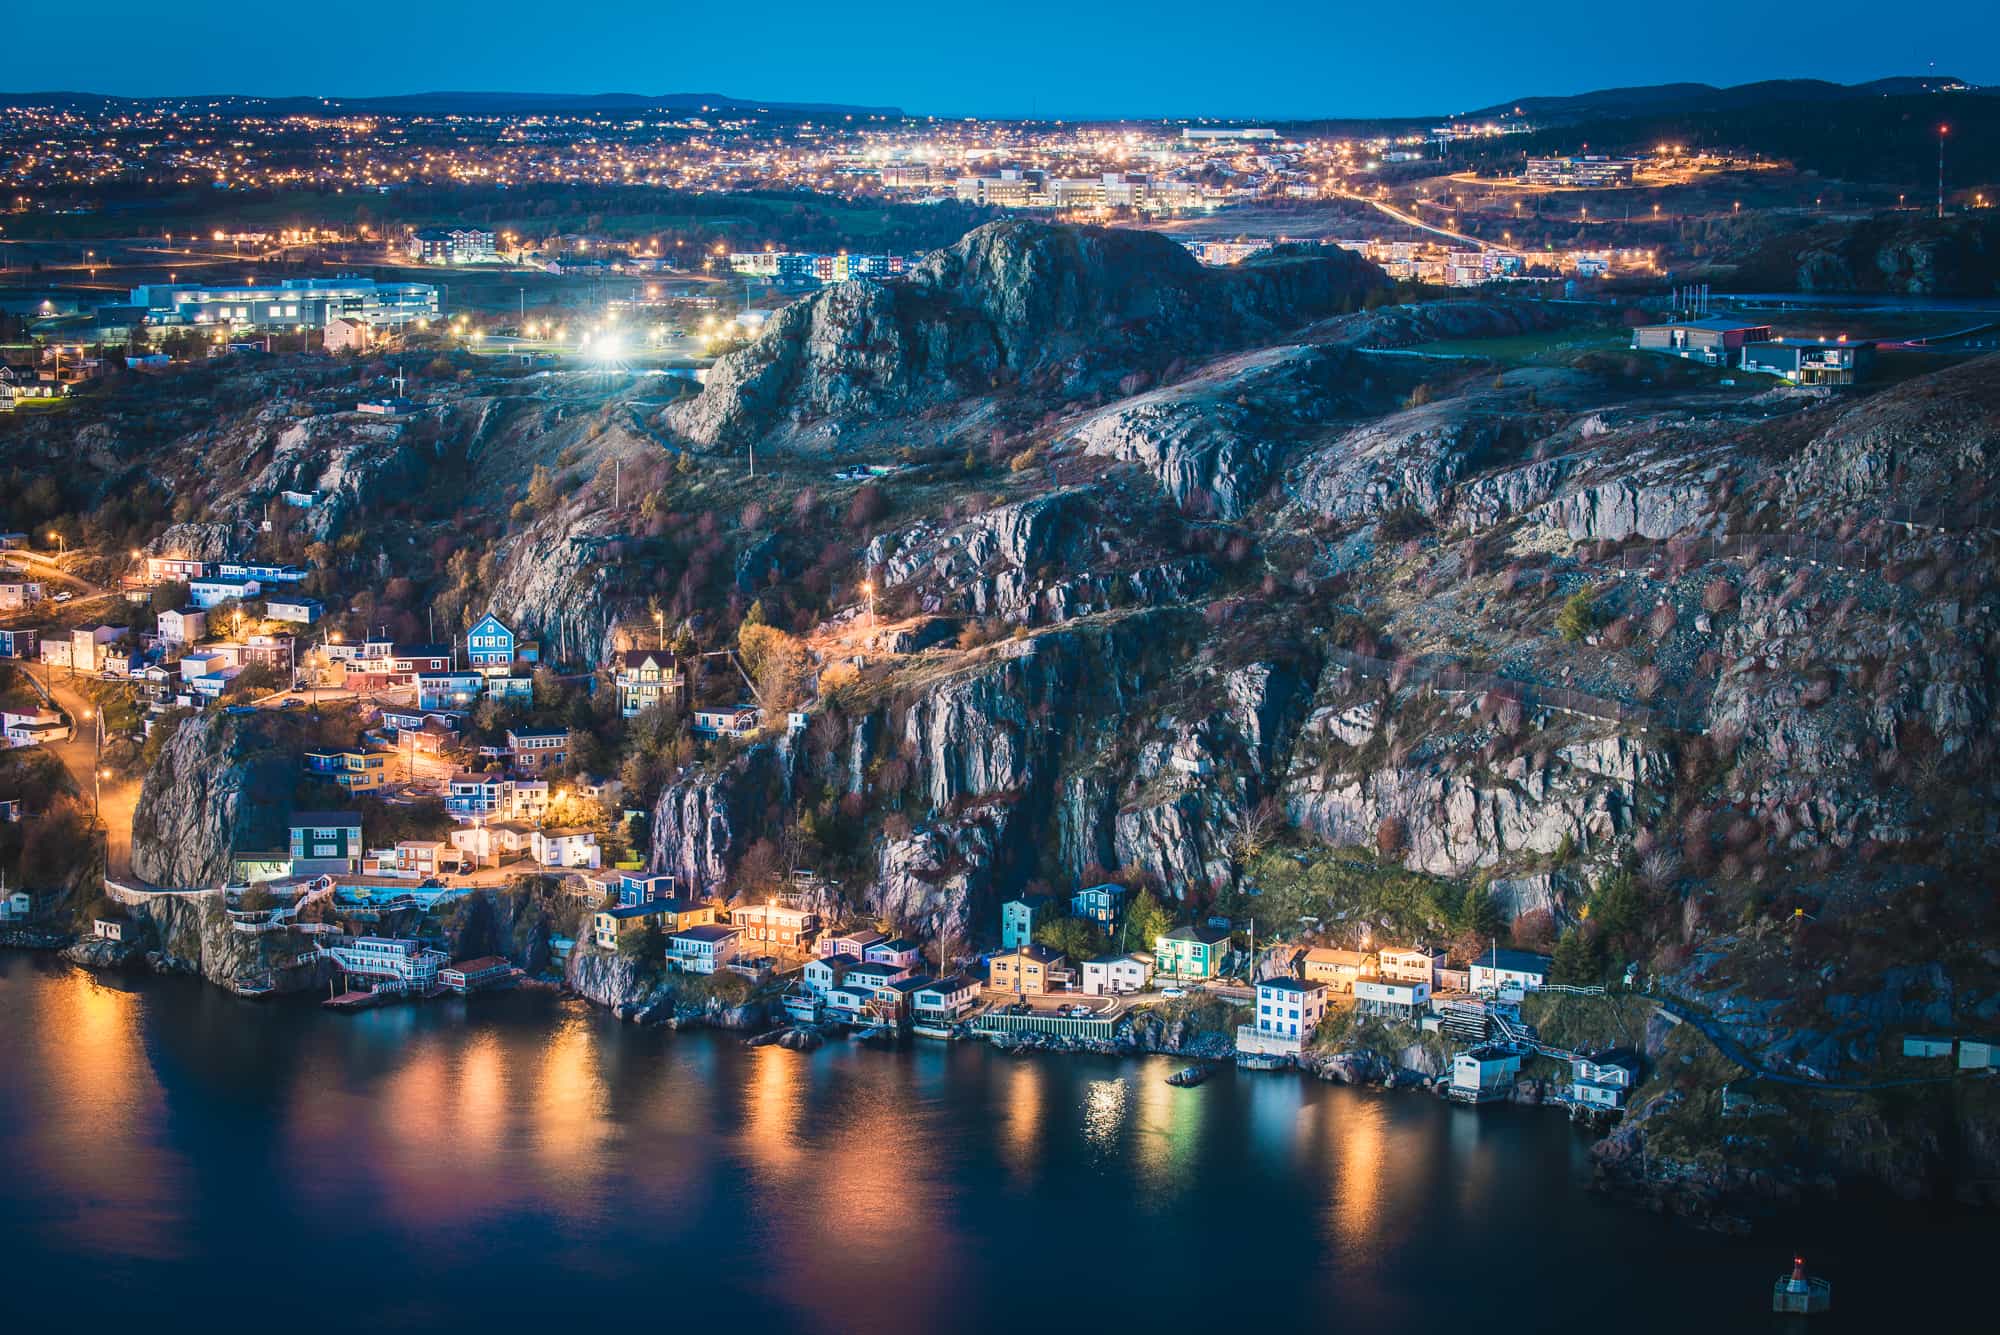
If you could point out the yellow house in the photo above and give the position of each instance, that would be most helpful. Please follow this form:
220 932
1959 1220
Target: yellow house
1029 969
673 915
1337 968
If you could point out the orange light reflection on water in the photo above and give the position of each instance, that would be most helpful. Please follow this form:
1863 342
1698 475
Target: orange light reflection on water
95 1140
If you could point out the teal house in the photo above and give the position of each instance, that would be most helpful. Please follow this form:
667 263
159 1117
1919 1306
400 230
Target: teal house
1190 952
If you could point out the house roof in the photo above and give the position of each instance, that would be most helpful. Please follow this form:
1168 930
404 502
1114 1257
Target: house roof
676 905
633 658
321 819
1129 957
958 982
1206 935
872 968
899 945
420 651
908 986
1290 985
1513 961
710 931
480 965
1328 955
1034 950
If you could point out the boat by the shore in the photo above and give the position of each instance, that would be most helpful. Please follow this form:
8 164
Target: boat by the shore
1189 1076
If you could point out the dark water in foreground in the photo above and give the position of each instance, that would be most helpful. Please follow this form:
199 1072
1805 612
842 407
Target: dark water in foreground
174 1159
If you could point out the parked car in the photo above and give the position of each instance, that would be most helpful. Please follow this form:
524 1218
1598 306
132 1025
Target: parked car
1173 991
63 595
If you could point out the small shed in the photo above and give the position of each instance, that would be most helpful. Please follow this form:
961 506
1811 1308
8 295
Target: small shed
1926 1045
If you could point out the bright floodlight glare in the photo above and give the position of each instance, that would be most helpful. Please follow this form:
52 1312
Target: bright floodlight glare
609 348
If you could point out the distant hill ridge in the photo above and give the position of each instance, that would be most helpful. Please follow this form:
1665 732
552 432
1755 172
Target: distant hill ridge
1689 97
470 103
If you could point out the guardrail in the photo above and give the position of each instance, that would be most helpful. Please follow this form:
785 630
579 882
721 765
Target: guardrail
1061 1026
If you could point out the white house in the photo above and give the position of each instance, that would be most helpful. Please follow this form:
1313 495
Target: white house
182 627
564 847
1417 964
736 721
1509 971
32 727
110 929
945 1000
208 593
1605 1080
1381 996
1114 974
294 608
702 949
824 974
1288 1010
494 842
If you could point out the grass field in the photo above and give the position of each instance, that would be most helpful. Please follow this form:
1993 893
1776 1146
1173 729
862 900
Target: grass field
1529 349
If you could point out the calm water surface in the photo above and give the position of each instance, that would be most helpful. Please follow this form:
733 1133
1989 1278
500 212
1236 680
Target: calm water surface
177 1159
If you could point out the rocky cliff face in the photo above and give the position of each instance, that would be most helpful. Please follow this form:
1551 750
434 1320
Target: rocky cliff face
1011 302
221 784
1910 253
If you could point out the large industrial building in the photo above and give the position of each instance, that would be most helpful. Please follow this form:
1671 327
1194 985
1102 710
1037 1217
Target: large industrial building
1591 172
288 303
1746 345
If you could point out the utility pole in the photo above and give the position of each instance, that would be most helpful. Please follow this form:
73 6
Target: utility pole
1943 130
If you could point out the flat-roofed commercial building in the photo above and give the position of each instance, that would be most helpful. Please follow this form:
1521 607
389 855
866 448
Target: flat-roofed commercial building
288 302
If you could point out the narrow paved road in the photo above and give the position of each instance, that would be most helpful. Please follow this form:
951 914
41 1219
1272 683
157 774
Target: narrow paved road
116 797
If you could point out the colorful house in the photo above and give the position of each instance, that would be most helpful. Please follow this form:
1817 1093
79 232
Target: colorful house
1030 969
448 690
1191 952
701 949
1020 917
327 836
1098 903
1338 969
490 645
775 924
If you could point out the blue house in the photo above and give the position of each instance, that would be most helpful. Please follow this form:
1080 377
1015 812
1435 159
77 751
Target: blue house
490 644
1098 903
644 889
448 690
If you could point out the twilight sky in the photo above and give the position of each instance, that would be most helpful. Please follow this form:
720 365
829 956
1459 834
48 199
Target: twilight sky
1004 57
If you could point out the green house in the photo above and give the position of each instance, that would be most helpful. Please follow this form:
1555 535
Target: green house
1190 952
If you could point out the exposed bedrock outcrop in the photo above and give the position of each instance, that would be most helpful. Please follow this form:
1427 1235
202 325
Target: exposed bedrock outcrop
220 784
1008 302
